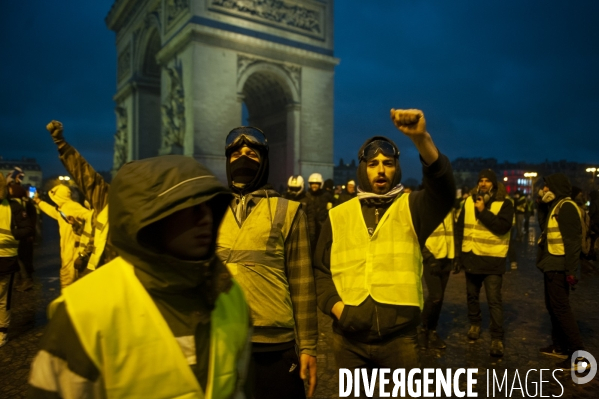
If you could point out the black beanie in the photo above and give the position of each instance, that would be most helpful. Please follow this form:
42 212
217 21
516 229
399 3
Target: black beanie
489 174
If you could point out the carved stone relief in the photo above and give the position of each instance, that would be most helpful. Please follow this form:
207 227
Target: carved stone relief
173 113
124 64
282 13
174 8
120 139
294 72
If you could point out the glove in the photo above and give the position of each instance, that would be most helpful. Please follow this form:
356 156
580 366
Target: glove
456 265
55 128
572 281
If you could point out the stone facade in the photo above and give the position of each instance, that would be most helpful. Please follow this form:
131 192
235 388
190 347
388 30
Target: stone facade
186 67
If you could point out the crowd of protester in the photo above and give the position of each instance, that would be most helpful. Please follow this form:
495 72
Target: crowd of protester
174 285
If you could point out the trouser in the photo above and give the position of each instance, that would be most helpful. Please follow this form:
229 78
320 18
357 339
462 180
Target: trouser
564 330
436 277
68 274
395 353
492 283
276 375
519 226
26 257
6 282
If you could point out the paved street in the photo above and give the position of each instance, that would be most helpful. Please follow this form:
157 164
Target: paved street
526 323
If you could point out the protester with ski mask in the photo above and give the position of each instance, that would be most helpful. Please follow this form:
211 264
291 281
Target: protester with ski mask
368 261
559 260
483 236
65 213
265 243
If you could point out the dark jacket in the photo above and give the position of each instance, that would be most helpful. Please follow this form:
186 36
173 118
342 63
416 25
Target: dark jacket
21 228
345 196
497 224
594 211
372 321
317 211
143 193
569 224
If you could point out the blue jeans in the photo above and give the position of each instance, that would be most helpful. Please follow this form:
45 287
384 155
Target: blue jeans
492 283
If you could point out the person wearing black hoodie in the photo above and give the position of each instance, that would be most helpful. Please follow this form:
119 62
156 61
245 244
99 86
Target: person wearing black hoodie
265 243
376 326
482 240
164 319
558 258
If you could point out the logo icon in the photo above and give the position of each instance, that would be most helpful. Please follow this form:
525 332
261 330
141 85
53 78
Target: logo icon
582 361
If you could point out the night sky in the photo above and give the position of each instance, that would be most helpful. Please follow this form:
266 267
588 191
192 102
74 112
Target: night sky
513 80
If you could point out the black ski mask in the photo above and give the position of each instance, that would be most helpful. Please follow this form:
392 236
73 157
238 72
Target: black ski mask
244 169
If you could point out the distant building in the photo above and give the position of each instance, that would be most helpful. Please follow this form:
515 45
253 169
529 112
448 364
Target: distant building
32 170
521 175
343 172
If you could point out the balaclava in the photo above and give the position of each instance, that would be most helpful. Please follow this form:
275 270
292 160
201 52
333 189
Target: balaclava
60 194
250 174
363 182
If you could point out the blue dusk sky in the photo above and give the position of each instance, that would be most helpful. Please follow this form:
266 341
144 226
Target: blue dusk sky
513 80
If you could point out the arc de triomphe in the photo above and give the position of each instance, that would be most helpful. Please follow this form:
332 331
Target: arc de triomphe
185 69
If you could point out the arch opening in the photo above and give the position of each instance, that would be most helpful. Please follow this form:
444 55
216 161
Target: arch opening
149 85
267 103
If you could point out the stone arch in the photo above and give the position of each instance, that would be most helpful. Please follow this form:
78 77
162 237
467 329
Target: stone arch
272 98
148 90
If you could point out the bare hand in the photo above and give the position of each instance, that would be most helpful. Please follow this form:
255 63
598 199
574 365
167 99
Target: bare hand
338 309
36 198
308 365
411 122
479 204
55 128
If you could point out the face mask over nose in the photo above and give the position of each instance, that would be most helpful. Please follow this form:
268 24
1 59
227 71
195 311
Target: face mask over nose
243 170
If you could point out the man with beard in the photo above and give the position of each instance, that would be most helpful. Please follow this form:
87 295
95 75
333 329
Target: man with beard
368 261
265 243
558 258
483 238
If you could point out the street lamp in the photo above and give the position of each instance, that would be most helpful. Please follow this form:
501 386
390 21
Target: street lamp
532 176
64 178
593 170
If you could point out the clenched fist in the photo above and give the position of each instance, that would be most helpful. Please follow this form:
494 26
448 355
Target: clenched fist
55 128
411 122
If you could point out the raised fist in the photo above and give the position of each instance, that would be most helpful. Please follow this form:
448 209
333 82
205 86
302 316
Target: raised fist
411 122
55 128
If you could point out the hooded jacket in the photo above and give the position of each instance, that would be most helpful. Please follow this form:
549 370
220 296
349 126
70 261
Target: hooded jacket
65 208
372 321
497 224
143 193
569 225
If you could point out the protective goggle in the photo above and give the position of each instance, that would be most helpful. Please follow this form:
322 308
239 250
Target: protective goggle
378 147
248 134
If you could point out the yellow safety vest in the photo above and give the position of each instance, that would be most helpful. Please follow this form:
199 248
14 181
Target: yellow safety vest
130 343
255 255
9 246
386 265
101 229
441 241
554 236
478 239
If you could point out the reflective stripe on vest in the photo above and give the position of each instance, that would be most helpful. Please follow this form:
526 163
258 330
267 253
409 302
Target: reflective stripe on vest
9 246
132 346
255 255
441 241
554 236
100 236
386 265
478 239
